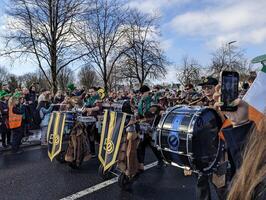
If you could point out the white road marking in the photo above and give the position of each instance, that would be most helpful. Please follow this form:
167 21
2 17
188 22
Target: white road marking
100 186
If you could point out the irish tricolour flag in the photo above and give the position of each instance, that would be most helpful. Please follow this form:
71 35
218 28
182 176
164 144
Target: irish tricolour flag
256 97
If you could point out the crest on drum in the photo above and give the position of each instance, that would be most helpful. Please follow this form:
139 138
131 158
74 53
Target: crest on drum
173 138
173 141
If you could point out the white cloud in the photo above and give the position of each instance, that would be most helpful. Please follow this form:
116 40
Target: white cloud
154 6
166 44
222 21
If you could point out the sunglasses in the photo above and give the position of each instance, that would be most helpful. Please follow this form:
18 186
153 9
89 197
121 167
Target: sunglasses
205 87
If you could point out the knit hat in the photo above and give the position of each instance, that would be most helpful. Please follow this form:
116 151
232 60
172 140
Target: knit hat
71 87
17 95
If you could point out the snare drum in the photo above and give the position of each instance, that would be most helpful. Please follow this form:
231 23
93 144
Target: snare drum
122 106
87 120
187 137
70 119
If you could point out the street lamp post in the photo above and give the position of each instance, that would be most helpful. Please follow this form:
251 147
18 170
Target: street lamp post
229 49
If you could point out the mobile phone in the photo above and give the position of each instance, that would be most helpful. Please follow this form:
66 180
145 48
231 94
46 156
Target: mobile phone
229 90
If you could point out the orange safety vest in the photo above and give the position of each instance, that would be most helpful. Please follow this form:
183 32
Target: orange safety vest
14 120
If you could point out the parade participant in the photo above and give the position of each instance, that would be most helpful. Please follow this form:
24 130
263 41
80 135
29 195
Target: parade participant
134 100
145 101
5 87
16 121
5 132
144 112
70 89
93 107
45 111
59 97
58 100
156 94
244 90
204 181
188 95
91 99
208 89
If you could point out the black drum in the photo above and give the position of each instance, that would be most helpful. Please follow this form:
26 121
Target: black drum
188 137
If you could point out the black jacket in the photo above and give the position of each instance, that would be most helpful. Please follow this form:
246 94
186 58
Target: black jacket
236 139
3 111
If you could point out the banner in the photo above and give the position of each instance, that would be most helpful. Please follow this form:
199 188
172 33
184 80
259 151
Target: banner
112 132
55 133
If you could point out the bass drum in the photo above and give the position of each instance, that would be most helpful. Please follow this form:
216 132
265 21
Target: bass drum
188 137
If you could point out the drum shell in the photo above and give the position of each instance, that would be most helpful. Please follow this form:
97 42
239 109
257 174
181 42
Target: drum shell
188 137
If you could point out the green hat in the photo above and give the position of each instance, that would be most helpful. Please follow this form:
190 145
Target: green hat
71 86
17 95
4 94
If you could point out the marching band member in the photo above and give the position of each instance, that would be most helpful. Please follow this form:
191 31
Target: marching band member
93 107
203 185
144 112
208 88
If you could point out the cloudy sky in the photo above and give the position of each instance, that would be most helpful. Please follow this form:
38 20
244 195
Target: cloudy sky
197 27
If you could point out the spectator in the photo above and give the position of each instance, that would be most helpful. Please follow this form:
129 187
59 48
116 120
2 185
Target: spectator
16 120
5 132
45 110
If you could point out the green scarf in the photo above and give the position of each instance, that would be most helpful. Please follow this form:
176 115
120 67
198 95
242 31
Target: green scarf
91 100
156 97
144 105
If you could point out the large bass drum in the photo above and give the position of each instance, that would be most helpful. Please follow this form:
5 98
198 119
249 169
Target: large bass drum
188 137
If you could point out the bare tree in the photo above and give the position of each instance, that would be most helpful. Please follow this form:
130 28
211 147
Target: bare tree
228 59
189 71
3 75
43 31
65 76
101 34
144 57
28 79
88 77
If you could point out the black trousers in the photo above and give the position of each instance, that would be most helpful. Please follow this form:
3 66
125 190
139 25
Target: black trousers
205 182
17 135
5 134
204 188
141 149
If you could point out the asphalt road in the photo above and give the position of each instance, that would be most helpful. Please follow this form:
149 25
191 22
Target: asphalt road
31 176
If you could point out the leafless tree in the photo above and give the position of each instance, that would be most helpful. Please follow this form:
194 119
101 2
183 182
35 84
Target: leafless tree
43 30
28 79
228 59
3 75
101 34
144 58
88 77
65 76
189 71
